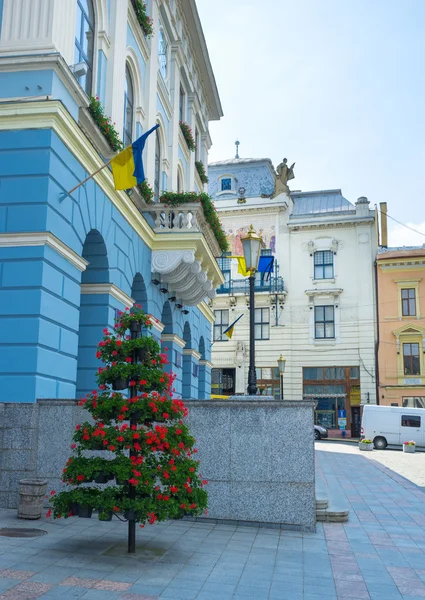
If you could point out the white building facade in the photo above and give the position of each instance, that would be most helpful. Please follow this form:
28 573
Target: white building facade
318 306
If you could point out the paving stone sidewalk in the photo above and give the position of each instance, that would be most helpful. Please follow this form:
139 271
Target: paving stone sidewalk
378 555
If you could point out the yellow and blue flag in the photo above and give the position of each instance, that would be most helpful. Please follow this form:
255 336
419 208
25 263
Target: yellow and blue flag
241 265
229 330
127 166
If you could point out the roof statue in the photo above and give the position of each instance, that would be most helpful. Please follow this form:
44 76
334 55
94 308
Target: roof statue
283 175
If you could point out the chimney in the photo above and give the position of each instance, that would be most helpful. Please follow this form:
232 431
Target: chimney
384 227
362 206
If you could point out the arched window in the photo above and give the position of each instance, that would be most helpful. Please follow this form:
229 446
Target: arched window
128 108
84 42
179 182
157 165
162 54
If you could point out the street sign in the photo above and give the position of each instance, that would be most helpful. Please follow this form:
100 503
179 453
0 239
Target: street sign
342 423
342 414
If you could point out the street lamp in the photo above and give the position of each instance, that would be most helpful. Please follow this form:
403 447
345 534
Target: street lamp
281 362
251 245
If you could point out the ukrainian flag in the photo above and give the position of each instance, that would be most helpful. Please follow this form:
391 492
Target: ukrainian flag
127 166
229 330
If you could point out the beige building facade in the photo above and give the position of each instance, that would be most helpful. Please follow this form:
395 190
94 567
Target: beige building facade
401 316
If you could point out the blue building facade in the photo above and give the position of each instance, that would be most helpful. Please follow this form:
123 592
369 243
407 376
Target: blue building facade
68 262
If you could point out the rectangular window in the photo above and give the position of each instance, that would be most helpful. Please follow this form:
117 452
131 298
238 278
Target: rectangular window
262 323
225 265
178 359
323 264
411 360
410 421
226 184
268 381
223 382
221 323
408 302
324 322
414 401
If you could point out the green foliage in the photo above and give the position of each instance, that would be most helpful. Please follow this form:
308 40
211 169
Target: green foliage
188 136
201 171
105 124
176 199
150 451
146 192
145 22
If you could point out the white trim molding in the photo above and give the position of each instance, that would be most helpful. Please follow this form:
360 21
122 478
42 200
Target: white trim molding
43 238
174 338
156 324
191 352
205 363
107 288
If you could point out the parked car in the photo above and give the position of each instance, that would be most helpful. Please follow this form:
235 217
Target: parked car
393 425
320 432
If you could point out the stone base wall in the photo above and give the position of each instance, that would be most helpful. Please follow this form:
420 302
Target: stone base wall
257 456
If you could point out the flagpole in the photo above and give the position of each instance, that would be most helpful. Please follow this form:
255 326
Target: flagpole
90 176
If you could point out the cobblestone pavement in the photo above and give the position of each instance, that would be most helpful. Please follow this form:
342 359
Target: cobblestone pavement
378 555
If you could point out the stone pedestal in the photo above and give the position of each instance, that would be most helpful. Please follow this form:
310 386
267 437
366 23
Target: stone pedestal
258 456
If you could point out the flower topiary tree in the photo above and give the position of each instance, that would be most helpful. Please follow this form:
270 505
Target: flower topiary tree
147 470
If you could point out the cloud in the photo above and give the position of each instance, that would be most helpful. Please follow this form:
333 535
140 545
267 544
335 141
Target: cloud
399 235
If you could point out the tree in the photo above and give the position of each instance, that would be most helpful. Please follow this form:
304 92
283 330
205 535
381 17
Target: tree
147 470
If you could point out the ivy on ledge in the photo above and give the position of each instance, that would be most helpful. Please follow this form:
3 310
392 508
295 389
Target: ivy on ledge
174 199
105 124
201 171
188 136
145 22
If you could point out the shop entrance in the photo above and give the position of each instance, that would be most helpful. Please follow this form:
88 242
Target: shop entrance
355 421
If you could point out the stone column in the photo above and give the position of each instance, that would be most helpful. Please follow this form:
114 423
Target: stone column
175 345
204 381
99 304
190 368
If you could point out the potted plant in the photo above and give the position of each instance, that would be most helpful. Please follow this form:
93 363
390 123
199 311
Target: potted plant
82 501
146 192
201 171
366 445
105 124
409 447
188 136
154 454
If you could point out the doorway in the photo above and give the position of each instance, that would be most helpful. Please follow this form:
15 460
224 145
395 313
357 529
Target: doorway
355 421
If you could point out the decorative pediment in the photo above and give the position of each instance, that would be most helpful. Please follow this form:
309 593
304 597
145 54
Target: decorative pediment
409 329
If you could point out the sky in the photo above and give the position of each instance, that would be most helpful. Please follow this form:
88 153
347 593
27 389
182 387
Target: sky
337 86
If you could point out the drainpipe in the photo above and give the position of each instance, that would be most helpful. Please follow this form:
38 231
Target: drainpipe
377 333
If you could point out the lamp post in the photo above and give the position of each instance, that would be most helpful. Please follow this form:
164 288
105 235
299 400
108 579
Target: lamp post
251 245
281 362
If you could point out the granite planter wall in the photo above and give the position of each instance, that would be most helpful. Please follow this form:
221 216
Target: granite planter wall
257 455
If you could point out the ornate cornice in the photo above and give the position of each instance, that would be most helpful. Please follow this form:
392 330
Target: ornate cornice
338 223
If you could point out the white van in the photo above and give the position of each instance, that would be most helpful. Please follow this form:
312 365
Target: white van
393 425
